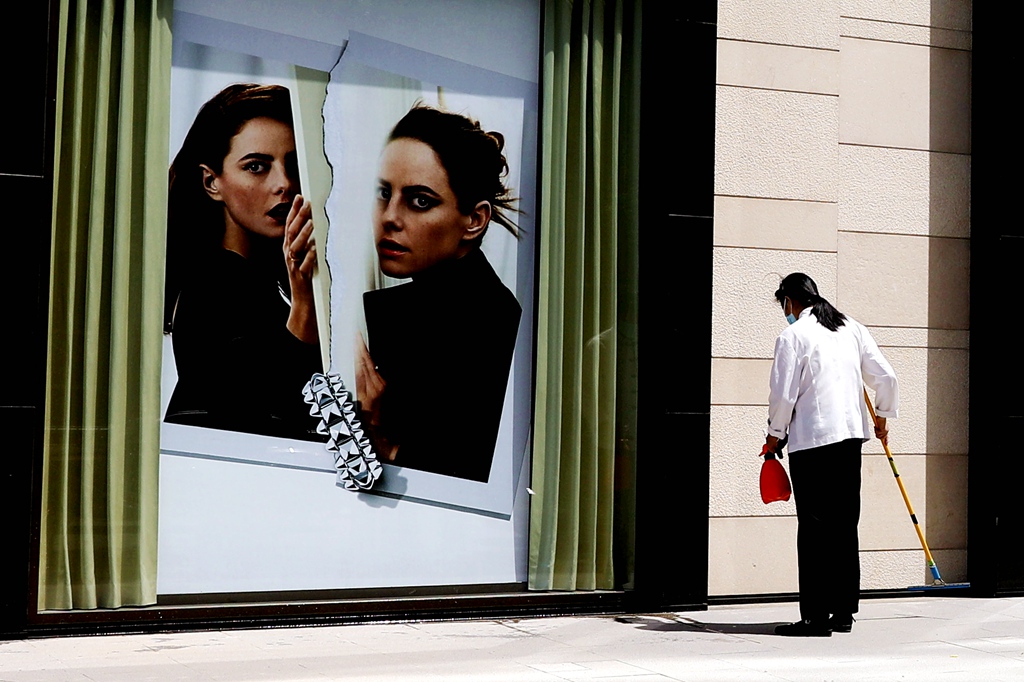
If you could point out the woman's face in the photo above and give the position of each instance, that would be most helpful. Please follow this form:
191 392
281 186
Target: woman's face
259 178
416 218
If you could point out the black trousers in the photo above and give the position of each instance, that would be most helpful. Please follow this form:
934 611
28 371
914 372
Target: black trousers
826 487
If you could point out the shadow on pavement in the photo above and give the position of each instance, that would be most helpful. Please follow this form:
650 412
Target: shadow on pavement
674 623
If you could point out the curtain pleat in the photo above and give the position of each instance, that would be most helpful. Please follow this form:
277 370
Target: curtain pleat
588 230
99 512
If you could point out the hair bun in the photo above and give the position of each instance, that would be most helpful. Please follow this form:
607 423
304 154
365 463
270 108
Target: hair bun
499 139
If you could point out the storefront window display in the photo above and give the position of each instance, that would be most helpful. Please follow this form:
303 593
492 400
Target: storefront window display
361 293
424 277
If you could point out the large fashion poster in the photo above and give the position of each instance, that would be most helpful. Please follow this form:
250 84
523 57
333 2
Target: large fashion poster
362 208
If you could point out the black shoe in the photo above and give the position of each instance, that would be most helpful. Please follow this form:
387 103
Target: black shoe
841 622
805 628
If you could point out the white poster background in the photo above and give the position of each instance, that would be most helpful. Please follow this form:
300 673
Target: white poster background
233 526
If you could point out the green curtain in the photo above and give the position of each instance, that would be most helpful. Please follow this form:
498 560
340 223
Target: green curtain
586 360
101 454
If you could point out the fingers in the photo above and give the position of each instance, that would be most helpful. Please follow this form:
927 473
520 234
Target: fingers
308 264
360 375
298 227
299 247
369 383
362 352
365 362
302 258
292 221
302 236
296 204
372 376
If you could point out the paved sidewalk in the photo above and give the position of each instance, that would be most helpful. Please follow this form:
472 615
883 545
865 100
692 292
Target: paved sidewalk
927 638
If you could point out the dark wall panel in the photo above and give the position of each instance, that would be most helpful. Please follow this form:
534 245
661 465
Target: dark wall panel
676 229
676 307
22 374
995 462
26 267
678 109
672 511
24 49
26 182
17 425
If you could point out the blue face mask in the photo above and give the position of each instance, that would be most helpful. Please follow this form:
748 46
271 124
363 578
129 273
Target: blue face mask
790 317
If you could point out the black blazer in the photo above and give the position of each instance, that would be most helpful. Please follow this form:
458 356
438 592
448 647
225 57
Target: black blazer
239 368
443 344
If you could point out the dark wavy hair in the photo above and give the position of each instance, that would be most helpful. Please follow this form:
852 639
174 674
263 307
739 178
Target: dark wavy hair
195 222
472 158
802 289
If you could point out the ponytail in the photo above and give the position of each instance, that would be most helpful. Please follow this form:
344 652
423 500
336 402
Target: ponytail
828 317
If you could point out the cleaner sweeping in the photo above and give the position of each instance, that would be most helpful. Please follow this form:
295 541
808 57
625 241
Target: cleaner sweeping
822 361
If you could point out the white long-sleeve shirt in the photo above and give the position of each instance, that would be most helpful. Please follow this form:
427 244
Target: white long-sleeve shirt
817 380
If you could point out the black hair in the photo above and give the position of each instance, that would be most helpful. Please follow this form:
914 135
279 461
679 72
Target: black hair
802 289
472 158
195 222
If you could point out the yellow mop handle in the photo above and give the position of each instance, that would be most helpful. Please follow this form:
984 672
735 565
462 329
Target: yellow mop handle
913 517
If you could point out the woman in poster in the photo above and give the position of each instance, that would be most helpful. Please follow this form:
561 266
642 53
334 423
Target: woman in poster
240 259
432 383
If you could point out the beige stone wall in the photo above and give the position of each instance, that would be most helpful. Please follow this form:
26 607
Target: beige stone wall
843 151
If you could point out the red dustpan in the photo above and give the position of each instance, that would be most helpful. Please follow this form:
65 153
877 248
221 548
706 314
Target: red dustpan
774 481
